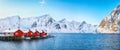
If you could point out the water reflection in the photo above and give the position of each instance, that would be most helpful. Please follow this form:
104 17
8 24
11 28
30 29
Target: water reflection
67 42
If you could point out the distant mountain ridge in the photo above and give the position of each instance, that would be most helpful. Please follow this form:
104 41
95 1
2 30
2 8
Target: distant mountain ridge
46 23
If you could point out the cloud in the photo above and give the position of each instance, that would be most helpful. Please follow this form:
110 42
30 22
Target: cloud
42 2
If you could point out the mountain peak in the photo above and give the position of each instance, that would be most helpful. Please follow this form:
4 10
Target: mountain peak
16 16
118 6
63 20
111 23
84 22
116 11
46 15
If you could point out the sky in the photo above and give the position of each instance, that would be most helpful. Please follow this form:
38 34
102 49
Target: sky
91 11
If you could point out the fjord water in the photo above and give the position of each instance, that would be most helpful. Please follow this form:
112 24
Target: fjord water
67 41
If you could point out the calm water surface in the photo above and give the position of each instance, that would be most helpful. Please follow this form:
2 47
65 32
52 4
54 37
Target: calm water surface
69 41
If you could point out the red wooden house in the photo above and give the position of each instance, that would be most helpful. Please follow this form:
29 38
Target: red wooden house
36 33
28 34
43 34
18 33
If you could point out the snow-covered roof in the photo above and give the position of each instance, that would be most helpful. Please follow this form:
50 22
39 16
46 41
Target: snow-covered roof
13 30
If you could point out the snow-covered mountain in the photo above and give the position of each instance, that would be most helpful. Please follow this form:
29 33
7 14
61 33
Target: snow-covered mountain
46 23
111 24
10 22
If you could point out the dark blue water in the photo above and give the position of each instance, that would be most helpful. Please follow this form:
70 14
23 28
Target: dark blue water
67 41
